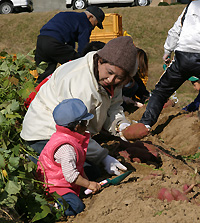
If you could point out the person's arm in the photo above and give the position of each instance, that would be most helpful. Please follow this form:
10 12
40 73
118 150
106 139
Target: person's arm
85 29
81 181
172 38
115 113
66 156
83 40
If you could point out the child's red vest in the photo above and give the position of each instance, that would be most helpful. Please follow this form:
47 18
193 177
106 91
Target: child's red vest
53 171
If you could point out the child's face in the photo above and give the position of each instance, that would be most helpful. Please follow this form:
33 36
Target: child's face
81 127
197 86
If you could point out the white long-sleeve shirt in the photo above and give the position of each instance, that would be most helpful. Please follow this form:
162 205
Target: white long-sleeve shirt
185 38
66 156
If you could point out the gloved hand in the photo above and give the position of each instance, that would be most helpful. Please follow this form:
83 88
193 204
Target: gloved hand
135 131
112 166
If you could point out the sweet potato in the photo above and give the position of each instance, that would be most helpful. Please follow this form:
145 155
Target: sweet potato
135 131
171 194
168 195
161 193
175 193
182 197
139 151
185 187
152 149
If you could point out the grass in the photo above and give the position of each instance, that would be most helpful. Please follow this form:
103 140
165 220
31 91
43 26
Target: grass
147 25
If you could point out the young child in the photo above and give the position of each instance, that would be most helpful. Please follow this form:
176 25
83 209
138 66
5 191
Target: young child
61 161
135 91
194 106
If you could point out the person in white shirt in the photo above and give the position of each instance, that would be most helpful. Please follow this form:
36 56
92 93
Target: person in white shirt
184 39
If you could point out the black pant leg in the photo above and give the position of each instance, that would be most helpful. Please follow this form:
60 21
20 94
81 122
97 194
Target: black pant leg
52 51
49 70
170 81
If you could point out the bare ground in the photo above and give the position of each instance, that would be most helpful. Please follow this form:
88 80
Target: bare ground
135 199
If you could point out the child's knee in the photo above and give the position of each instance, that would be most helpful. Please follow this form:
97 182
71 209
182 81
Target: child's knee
80 207
76 205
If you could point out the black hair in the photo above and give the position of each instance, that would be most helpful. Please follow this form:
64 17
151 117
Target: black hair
71 126
92 46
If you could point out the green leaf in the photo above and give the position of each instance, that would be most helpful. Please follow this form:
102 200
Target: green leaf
16 115
30 166
45 210
16 150
8 200
2 118
14 161
12 187
4 66
38 197
28 88
14 106
6 83
4 104
2 162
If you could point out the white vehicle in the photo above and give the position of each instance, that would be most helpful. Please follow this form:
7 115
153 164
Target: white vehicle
81 4
8 6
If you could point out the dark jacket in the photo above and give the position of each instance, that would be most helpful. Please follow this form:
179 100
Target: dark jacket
194 106
69 27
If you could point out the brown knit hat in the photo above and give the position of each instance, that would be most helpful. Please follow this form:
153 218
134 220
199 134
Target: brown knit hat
121 52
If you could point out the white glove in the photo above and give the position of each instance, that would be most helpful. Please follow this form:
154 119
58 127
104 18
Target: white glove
112 166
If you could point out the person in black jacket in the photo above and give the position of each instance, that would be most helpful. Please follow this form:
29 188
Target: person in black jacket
57 38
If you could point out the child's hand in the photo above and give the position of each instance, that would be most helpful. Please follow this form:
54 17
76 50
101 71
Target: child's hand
94 186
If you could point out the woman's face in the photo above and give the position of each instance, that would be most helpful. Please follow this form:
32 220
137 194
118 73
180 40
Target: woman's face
110 74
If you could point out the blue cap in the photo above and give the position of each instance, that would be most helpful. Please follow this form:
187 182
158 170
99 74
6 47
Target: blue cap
193 78
71 110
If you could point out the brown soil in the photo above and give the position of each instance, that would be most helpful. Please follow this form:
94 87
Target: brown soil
135 199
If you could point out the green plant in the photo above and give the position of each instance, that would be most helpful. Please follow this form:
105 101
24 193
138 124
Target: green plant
192 157
19 189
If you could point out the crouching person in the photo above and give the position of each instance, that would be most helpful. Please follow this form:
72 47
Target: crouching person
61 161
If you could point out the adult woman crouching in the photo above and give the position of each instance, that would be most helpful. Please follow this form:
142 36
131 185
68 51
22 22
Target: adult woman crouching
96 79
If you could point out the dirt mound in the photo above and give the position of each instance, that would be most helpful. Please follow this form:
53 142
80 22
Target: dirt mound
135 198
